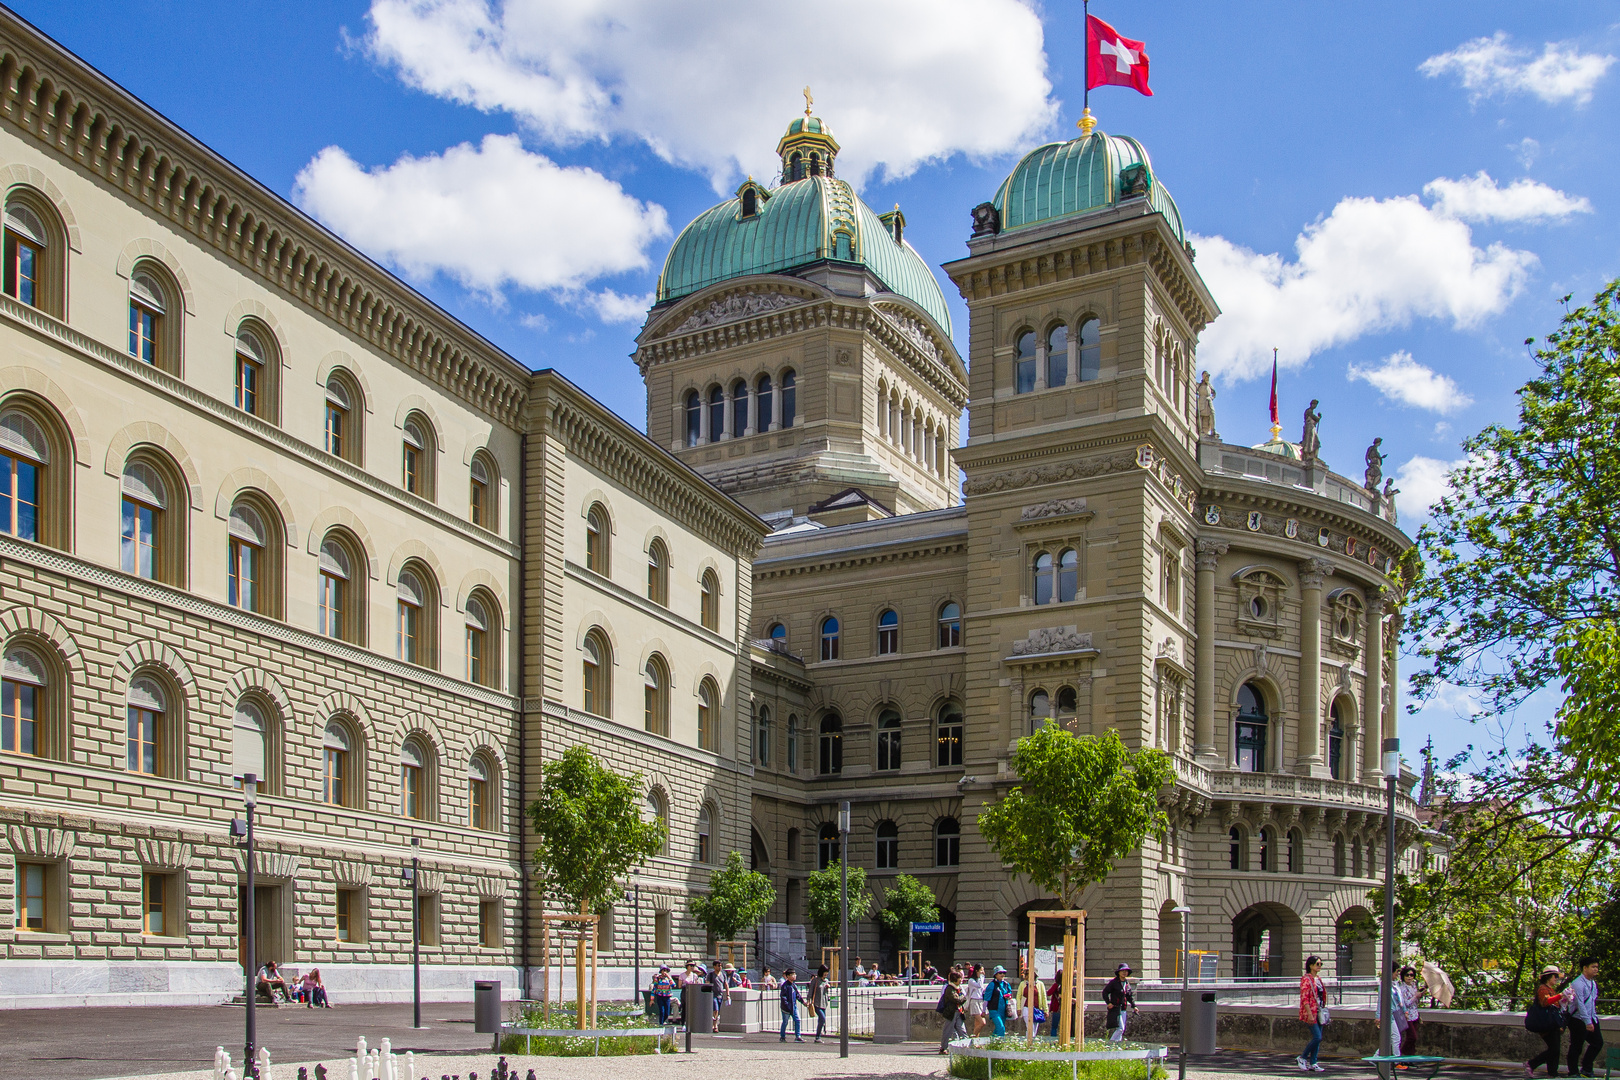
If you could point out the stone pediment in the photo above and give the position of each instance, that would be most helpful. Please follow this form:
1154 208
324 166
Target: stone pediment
736 306
912 330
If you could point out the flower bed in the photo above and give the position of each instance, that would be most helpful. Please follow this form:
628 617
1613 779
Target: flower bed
618 1032
1096 1059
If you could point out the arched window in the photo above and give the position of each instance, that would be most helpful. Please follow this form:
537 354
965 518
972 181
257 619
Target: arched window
790 396
793 744
709 600
1067 702
345 417
888 633
25 457
1090 349
1294 852
831 758
739 409
762 736
1338 855
1045 578
815 163
1040 710
597 531
777 632
251 361
1251 729
1268 849
35 253
888 741
414 629
829 638
148 311
827 852
888 845
481 488
705 839
1057 355
1025 363
694 418
948 736
655 697
479 807
24 684
596 675
339 787
950 625
762 403
750 203
708 715
413 789
245 585
1068 575
147 709
796 166
717 413
1335 742
249 737
658 812
418 456
340 599
480 628
1239 849
947 842
146 501
658 572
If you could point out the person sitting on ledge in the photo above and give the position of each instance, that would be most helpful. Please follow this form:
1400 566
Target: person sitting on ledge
313 990
270 981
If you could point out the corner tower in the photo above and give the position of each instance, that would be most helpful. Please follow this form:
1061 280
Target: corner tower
799 353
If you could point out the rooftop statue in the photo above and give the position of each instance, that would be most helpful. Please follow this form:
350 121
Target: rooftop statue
1206 406
1375 465
1309 442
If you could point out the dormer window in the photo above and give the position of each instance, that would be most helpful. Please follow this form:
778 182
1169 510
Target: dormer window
750 203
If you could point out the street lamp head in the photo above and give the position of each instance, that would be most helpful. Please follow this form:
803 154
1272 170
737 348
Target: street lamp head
1392 757
1182 910
250 790
843 816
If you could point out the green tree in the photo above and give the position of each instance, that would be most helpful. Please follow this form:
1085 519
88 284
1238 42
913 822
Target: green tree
907 901
1081 804
821 902
738 898
588 835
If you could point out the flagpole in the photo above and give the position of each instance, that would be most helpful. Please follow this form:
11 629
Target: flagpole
1086 122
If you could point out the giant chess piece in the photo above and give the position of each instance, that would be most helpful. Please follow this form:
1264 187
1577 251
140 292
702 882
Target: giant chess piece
1206 406
1375 466
320 1072
531 1075
502 1069
1310 443
303 1072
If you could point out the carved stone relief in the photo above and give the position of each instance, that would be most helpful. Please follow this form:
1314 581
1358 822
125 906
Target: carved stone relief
1051 639
1053 508
737 306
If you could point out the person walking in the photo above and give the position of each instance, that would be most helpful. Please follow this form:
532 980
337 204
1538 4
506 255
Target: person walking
1313 1013
951 1000
975 999
1411 995
997 995
1548 1000
1581 1004
663 992
1054 1001
790 997
1119 999
820 989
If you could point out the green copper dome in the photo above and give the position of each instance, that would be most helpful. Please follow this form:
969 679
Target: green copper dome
1088 173
800 223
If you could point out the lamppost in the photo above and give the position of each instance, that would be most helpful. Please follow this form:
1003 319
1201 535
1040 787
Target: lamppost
1186 958
414 875
843 929
1392 773
244 829
635 921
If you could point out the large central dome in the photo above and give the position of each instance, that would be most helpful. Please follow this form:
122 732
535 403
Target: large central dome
810 218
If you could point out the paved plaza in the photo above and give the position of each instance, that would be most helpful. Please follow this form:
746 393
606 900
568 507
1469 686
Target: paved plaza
178 1044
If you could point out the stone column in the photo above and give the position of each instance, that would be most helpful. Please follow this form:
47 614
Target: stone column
1040 365
728 403
1074 358
1311 573
1209 553
704 434
1372 705
753 412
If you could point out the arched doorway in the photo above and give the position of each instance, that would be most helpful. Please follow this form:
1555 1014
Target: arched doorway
1170 958
1265 942
1355 944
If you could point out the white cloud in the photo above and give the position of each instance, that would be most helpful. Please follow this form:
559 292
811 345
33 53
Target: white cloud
1527 151
1477 198
1489 66
1369 266
489 216
1401 378
1422 483
615 307
711 85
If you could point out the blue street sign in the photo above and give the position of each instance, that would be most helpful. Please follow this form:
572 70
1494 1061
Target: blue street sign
927 928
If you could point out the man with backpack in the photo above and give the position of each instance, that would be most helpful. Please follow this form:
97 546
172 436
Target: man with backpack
1580 1002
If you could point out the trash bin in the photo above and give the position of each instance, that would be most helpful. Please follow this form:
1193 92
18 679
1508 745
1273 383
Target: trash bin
487 1006
1198 1021
697 1006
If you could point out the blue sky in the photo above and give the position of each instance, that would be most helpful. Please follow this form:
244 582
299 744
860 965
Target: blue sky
1395 195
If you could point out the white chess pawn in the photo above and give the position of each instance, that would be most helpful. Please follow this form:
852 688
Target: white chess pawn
410 1065
220 1060
354 1066
264 1063
360 1048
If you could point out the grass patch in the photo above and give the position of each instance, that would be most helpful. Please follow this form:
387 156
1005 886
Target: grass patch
609 1015
971 1068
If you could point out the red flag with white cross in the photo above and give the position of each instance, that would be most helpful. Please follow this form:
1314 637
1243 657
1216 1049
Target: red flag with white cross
1112 60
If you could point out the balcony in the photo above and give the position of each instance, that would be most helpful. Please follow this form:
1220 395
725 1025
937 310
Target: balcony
1232 785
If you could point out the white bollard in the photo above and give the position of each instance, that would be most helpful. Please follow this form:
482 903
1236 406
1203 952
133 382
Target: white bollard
360 1048
354 1067
219 1063
264 1063
410 1065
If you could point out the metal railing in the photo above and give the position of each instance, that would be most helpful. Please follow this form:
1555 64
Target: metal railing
1354 993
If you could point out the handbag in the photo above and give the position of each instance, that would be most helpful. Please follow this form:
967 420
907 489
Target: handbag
1542 1018
1039 1016
1323 1015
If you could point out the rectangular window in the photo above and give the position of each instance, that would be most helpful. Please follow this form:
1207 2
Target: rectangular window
19 498
138 551
247 385
30 896
22 269
413 469
337 767
345 915
19 723
1170 590
331 605
154 896
427 918
662 937
950 743
407 636
489 924
410 791
475 655
242 588
336 416
475 500
145 730
477 804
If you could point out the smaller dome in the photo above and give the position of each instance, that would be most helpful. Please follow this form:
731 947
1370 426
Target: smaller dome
1281 447
1091 172
812 125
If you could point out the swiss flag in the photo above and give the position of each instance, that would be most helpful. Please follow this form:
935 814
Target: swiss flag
1112 60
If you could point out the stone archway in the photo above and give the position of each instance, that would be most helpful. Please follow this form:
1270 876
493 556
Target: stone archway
1170 940
1355 944
1266 942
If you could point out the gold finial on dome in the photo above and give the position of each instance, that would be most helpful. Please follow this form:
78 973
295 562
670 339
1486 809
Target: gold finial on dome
808 101
1086 122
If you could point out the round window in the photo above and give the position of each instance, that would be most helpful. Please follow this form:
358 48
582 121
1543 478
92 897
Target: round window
1257 607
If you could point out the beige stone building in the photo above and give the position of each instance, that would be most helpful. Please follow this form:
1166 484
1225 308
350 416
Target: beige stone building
268 511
